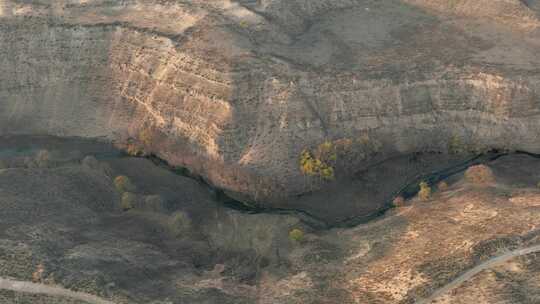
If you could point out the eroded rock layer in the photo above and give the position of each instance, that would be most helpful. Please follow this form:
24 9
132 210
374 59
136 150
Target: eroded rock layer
235 90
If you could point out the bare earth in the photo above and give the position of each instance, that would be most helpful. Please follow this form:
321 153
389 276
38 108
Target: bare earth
63 226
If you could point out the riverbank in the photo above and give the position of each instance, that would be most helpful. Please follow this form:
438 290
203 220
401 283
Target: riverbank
165 237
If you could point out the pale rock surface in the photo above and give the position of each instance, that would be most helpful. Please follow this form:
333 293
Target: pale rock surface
234 90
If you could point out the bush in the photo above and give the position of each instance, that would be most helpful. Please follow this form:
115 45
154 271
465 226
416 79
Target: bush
425 191
154 203
138 146
179 223
129 201
40 160
29 162
455 145
479 175
442 186
318 164
369 145
134 150
399 201
37 276
124 184
90 162
3 165
43 158
296 235
145 137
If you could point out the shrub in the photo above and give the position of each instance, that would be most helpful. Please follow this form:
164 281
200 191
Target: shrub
179 223
479 175
90 162
442 186
538 185
455 146
343 144
124 184
327 173
369 145
145 137
296 235
319 163
134 150
29 162
37 276
326 152
129 201
3 165
399 201
43 158
425 191
154 203
40 160
307 163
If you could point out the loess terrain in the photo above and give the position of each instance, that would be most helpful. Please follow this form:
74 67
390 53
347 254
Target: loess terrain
235 90
220 151
65 222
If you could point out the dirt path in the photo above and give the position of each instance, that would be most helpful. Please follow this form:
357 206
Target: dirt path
477 269
29 287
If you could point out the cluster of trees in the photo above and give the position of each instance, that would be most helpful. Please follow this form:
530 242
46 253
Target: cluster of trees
320 162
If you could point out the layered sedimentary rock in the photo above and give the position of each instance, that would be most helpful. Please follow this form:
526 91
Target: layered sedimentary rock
235 90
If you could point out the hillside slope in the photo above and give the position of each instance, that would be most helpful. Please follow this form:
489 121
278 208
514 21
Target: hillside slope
235 90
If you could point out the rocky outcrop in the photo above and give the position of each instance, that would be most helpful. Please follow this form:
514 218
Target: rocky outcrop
235 90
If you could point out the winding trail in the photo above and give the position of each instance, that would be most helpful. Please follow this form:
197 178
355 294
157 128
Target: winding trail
29 287
477 269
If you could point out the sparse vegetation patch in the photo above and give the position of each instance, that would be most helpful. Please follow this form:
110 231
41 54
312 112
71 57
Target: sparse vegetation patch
442 186
129 201
479 175
425 191
123 184
399 201
179 223
319 163
296 235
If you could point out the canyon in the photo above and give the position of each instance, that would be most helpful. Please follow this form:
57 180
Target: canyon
236 90
70 232
269 151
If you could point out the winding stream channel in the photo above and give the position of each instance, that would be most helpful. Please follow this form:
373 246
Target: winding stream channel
407 190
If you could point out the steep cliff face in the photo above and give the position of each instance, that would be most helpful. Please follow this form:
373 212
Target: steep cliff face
235 90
